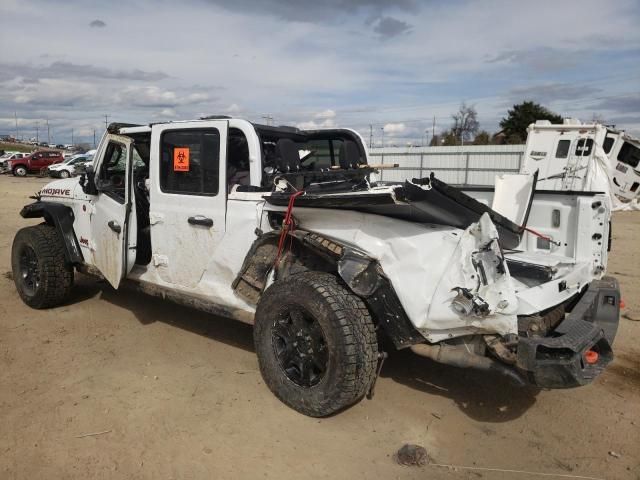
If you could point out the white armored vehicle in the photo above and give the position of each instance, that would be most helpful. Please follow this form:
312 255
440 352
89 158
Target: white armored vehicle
288 230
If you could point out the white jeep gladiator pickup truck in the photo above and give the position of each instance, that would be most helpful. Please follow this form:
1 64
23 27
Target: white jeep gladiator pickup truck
290 231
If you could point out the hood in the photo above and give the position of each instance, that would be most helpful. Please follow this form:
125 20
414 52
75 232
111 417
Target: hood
58 166
64 188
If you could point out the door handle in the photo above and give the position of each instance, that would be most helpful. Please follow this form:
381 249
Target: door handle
113 225
200 220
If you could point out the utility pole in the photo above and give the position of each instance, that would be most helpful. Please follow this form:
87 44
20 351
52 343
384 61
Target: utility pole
72 137
370 136
106 121
37 131
15 114
433 131
94 138
268 118
48 133
382 136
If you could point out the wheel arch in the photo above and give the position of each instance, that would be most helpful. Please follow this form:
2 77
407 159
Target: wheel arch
309 251
18 165
61 217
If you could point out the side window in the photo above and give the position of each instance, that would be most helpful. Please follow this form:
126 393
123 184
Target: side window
584 147
629 154
563 149
190 161
238 168
111 178
608 144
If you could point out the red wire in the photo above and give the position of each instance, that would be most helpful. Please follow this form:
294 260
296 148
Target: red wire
538 234
287 225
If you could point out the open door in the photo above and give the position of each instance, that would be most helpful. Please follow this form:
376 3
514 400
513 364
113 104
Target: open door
113 219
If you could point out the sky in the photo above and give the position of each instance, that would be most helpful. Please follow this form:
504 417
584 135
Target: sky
383 66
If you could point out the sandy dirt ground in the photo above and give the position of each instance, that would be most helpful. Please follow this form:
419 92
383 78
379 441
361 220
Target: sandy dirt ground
175 394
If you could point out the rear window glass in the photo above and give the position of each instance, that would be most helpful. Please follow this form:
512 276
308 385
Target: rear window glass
629 154
315 154
190 161
563 149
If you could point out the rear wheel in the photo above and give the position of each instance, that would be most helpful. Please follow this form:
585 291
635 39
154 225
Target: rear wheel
64 174
316 344
40 272
20 171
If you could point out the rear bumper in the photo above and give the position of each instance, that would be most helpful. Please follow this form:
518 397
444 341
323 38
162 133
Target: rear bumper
559 361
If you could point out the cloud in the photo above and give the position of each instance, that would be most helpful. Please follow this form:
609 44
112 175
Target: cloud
298 59
312 11
69 70
322 119
620 104
541 58
233 109
97 24
327 114
394 129
157 97
550 92
166 113
388 27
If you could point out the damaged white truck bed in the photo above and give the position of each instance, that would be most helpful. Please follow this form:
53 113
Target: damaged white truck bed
289 230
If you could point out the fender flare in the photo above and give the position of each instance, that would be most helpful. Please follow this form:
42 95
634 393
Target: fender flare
61 217
360 273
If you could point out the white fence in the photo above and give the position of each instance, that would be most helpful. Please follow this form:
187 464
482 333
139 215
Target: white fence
468 165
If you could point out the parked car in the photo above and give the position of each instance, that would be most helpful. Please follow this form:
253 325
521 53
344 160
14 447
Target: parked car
68 167
34 163
4 159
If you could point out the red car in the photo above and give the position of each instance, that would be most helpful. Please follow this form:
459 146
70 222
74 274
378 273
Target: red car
33 163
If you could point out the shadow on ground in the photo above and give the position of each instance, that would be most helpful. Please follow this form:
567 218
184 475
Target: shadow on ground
148 309
482 396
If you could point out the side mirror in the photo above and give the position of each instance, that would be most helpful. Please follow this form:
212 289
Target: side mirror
88 181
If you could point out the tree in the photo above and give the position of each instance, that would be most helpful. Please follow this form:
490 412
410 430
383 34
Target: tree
465 123
450 139
482 138
524 114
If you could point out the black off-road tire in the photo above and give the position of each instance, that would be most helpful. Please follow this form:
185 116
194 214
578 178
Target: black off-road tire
54 277
349 333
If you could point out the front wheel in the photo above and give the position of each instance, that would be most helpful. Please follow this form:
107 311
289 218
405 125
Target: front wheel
41 274
64 174
20 171
316 344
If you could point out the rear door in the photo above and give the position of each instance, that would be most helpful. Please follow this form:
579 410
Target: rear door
578 164
113 218
188 198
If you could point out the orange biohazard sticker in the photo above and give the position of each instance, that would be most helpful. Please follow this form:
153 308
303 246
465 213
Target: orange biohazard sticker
181 159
